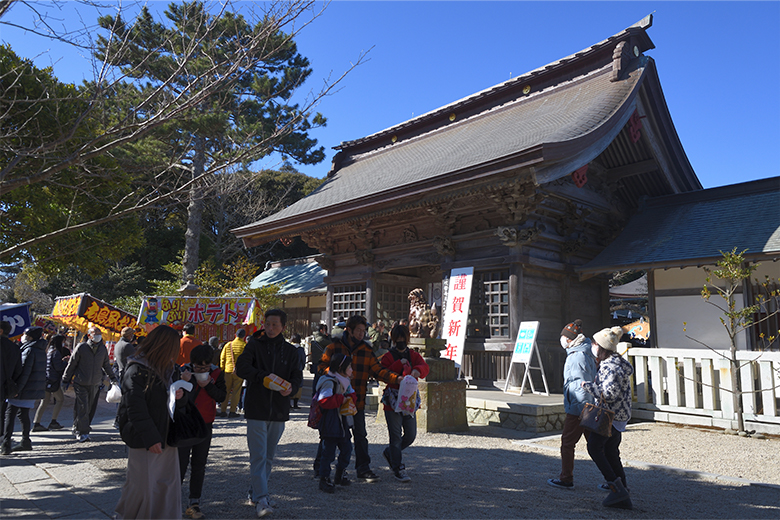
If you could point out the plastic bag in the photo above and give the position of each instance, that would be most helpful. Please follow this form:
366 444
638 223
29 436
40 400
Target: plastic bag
408 397
114 394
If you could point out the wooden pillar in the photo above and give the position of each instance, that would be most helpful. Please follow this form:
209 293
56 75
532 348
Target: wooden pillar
370 300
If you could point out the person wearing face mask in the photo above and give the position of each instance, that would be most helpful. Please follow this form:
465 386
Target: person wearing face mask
580 366
400 360
86 367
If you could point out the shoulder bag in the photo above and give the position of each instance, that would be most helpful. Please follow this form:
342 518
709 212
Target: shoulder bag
597 419
187 427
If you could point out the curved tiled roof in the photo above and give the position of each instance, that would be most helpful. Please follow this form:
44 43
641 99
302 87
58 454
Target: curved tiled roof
558 114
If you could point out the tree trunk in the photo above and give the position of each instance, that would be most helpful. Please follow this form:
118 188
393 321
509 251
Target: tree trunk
736 386
194 214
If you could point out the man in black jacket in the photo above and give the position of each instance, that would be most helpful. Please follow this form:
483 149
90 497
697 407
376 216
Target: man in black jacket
271 368
10 369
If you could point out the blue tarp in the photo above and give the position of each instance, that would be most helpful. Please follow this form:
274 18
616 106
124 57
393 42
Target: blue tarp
295 279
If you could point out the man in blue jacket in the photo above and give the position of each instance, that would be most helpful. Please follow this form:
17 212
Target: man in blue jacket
580 366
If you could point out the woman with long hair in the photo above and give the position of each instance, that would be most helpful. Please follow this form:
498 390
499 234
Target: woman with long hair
612 389
57 357
153 485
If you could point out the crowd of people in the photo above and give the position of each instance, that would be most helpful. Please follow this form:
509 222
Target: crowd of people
261 375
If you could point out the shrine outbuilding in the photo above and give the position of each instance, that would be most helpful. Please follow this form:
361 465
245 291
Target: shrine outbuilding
525 181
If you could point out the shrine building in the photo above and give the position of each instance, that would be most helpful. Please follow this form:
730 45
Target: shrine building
525 181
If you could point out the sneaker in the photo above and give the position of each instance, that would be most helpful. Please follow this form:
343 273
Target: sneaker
368 476
82 438
249 501
221 414
326 485
263 508
604 487
386 455
38 427
233 415
558 483
194 512
54 425
401 476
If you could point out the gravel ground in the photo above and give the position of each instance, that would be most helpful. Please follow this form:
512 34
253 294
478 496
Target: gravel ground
487 472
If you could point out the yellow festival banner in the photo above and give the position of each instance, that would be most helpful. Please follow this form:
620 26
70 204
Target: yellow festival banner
79 311
219 317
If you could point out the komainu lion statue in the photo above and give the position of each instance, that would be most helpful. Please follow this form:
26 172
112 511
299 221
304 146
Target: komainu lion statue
423 319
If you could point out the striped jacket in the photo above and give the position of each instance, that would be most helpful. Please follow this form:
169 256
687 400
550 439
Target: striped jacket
364 366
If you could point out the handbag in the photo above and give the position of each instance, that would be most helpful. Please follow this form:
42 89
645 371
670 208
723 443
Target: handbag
597 419
187 427
315 413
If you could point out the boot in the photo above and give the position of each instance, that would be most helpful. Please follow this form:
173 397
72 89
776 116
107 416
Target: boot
618 496
341 478
5 448
326 485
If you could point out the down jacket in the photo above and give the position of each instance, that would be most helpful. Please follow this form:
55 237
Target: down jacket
580 366
31 383
613 382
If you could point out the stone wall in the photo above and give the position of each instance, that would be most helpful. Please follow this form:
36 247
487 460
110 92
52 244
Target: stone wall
529 418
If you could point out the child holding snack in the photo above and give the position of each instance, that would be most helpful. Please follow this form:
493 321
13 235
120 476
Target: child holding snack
270 366
338 400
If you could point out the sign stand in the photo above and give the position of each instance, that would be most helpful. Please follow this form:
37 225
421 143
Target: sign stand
525 347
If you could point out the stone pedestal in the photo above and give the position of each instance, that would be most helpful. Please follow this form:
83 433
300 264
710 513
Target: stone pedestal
442 397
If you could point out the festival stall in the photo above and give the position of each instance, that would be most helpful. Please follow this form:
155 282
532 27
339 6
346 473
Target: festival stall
80 311
219 317
18 315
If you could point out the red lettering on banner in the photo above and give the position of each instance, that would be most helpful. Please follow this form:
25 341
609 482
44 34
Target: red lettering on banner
213 311
460 283
230 314
457 304
195 313
450 351
453 328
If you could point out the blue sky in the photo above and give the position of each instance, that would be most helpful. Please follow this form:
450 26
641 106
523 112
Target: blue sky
718 62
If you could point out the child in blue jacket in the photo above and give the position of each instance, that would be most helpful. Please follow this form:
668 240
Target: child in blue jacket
338 401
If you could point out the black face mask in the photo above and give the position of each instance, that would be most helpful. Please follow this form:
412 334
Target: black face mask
400 345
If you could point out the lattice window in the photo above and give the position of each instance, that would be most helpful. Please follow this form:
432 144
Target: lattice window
767 319
392 302
349 300
489 308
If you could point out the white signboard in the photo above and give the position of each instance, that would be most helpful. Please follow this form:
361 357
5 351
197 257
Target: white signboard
456 314
525 347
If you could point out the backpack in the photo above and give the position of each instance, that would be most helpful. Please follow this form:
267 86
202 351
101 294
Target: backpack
315 412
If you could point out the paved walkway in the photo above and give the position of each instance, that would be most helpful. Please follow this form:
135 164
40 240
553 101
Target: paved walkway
484 473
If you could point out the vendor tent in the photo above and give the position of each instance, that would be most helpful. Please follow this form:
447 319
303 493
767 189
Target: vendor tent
79 311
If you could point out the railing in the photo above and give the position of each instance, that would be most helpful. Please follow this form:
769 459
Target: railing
692 386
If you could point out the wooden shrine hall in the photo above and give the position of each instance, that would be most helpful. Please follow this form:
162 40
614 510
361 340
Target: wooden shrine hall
525 181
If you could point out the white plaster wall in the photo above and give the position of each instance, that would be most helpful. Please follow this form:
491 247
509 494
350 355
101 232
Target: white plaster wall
702 323
687 278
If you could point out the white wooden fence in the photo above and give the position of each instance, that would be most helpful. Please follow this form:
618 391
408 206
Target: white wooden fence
692 386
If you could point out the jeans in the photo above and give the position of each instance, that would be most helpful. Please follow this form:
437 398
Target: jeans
362 458
86 405
261 438
398 443
572 431
329 445
200 453
605 453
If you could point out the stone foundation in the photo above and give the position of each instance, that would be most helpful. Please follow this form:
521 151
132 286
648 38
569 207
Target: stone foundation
522 417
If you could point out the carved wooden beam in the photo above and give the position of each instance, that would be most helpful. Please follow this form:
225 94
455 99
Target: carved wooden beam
629 170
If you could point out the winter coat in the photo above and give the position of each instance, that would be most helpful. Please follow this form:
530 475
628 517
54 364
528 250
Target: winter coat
122 351
613 381
318 344
31 383
226 362
260 358
206 397
330 396
11 367
142 416
55 366
85 365
364 366
580 366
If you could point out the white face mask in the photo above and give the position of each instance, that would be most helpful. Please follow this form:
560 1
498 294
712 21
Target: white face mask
594 348
97 338
564 342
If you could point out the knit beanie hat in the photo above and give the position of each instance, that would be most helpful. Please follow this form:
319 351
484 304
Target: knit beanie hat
608 338
572 330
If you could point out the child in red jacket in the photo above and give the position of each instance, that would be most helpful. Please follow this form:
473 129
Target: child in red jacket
405 362
208 388
338 400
